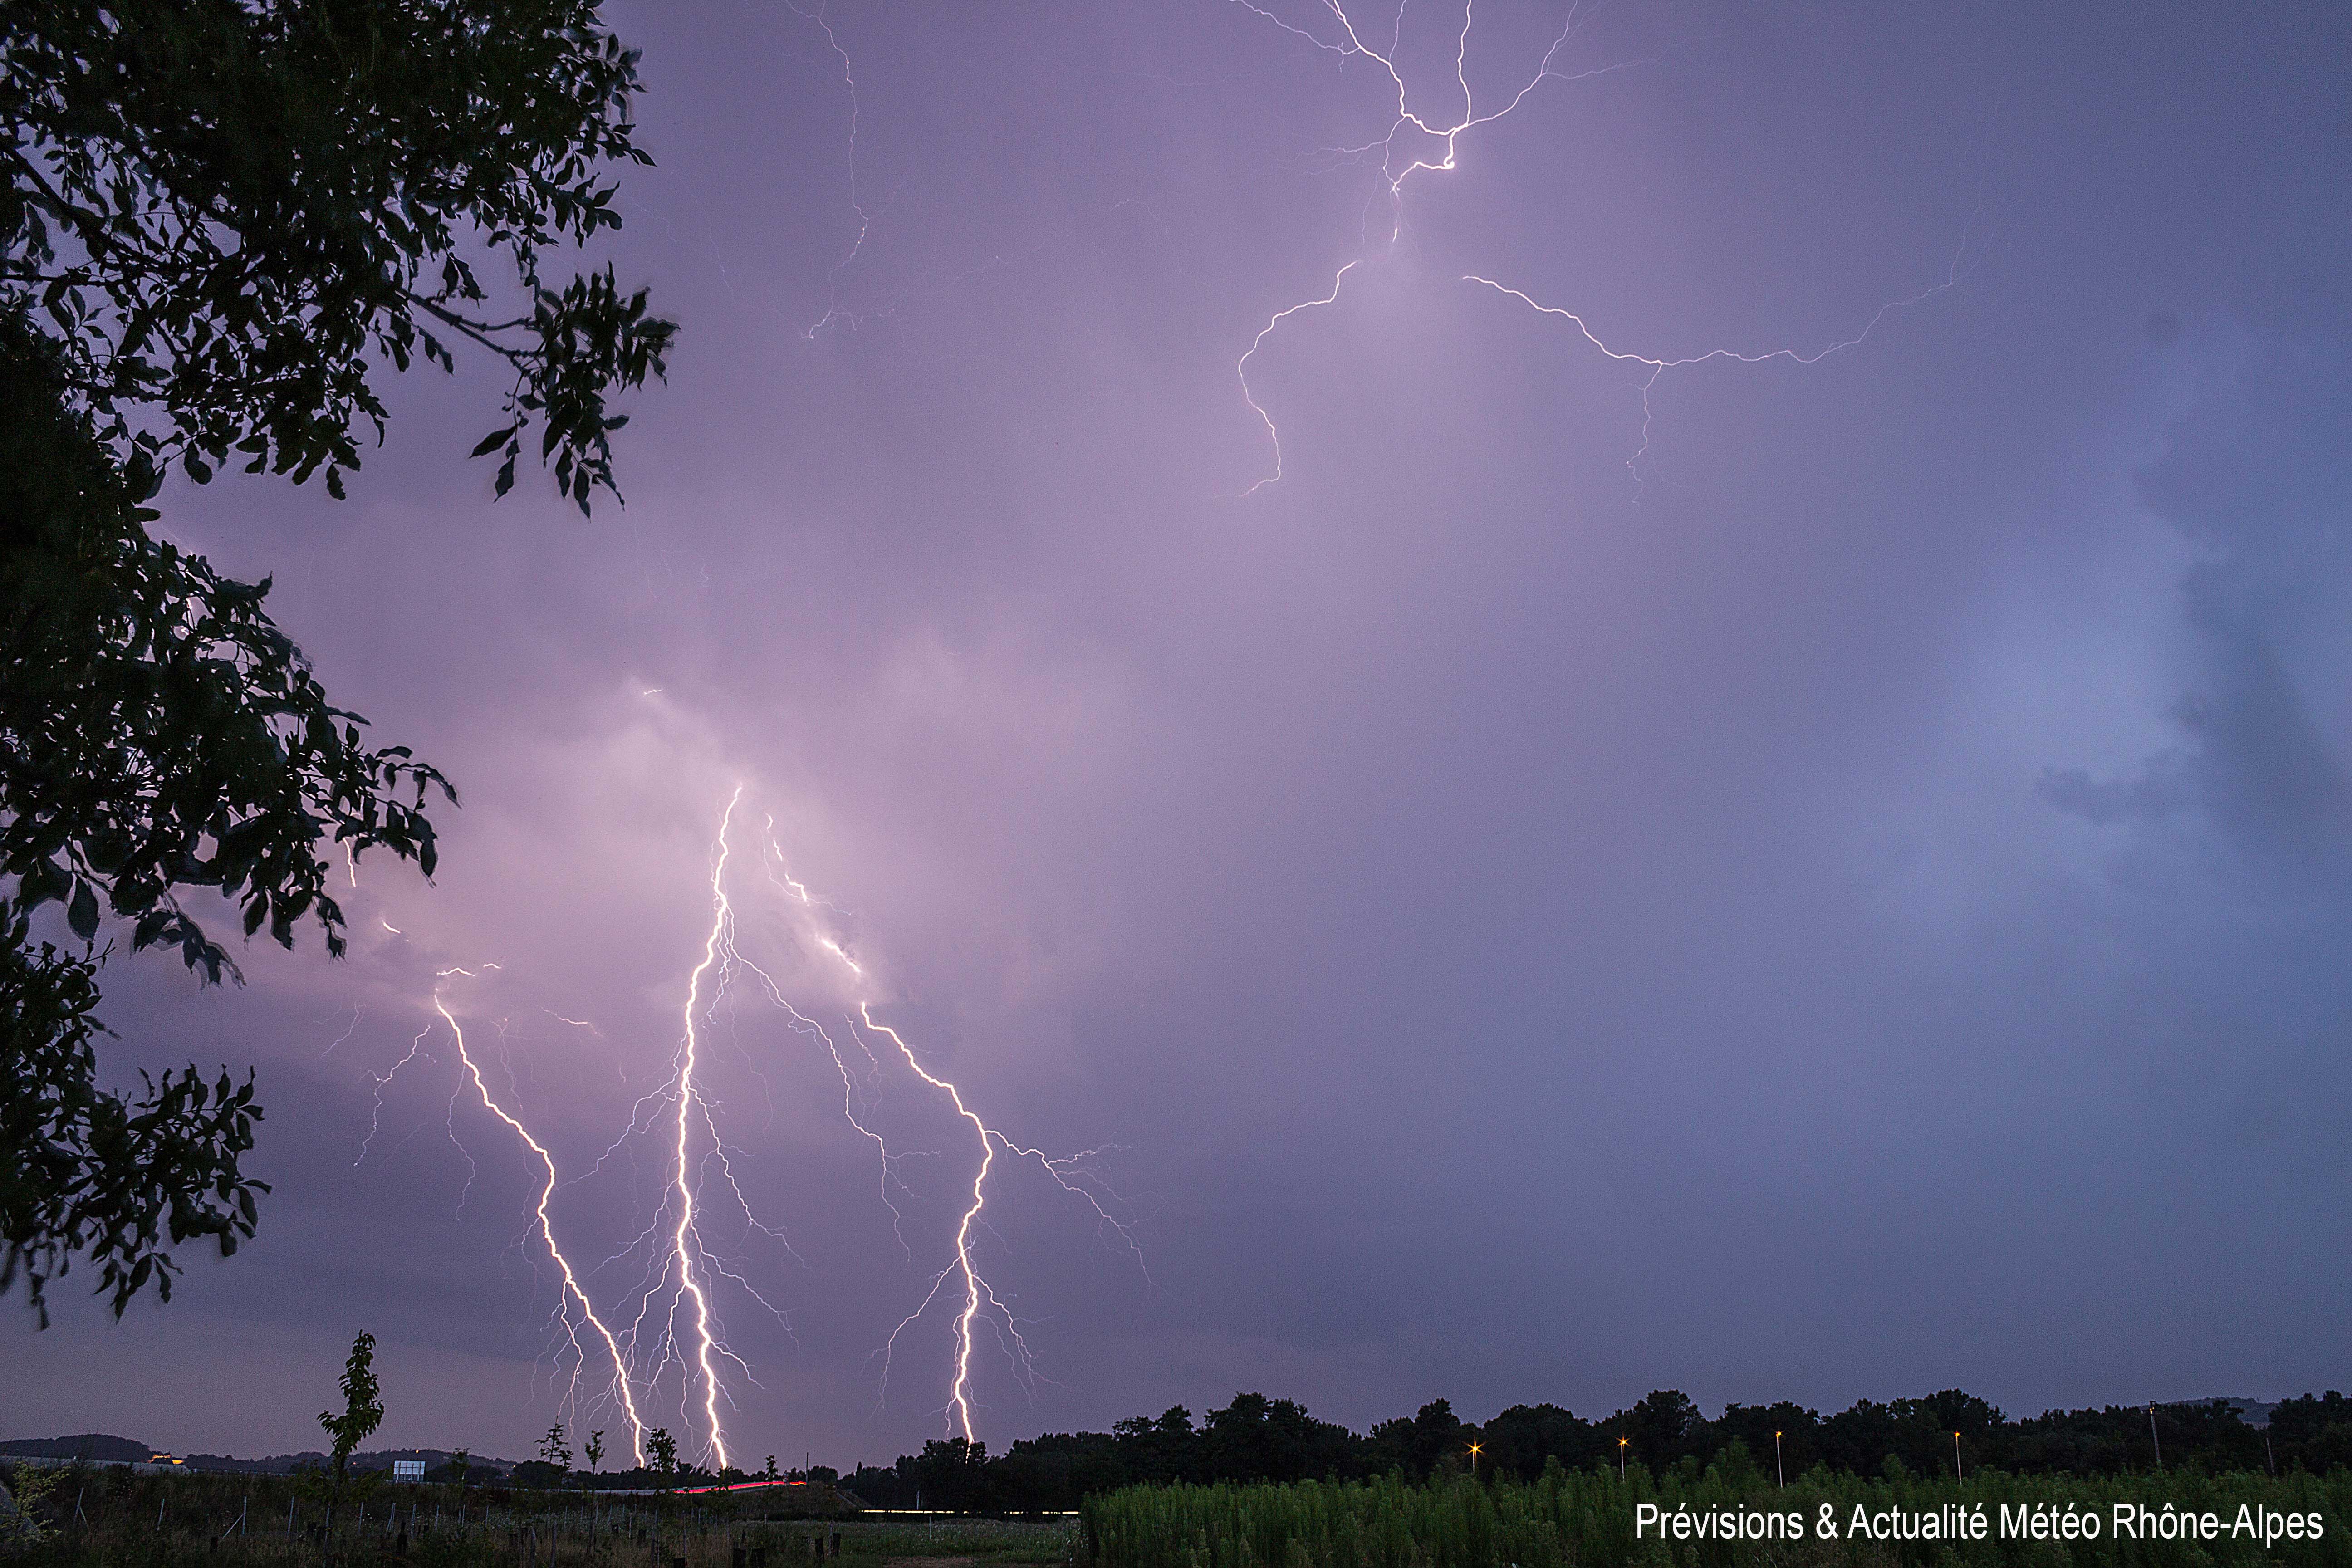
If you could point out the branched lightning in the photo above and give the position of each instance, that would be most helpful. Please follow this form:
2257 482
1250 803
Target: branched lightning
683 1250
1241 369
358 1011
1400 162
619 1386
573 1298
672 1316
1658 367
833 308
675 1302
978 1296
977 1291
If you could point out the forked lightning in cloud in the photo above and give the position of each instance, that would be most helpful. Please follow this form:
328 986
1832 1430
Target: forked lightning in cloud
1424 140
832 306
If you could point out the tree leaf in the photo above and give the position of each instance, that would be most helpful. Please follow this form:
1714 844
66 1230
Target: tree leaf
81 912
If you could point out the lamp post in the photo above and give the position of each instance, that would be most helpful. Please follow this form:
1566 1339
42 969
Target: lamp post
1473 1462
2154 1438
1621 1458
1955 1458
1779 1468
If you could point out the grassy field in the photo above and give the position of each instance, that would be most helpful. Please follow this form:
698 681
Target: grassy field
112 1519
101 1518
1590 1519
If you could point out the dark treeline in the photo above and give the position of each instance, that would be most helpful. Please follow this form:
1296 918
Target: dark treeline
1259 1439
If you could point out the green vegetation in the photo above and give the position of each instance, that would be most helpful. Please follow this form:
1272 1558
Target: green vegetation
110 1518
1590 1519
220 225
663 1449
1259 1439
362 1405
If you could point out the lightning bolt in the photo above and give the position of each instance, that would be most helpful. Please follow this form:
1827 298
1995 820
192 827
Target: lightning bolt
833 308
979 1299
676 1311
357 1011
1400 162
619 1388
722 927
1241 369
977 1292
681 1270
573 1297
1658 367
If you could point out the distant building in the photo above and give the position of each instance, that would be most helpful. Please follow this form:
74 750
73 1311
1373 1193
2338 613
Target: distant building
408 1469
156 1458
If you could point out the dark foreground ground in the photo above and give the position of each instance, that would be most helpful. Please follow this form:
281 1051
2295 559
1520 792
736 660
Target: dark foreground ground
2181 1518
1593 1518
99 1517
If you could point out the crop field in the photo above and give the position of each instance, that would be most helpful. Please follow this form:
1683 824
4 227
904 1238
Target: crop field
109 1519
99 1518
1590 1518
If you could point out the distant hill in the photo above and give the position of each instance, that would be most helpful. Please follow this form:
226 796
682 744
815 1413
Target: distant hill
275 1465
97 1445
363 1462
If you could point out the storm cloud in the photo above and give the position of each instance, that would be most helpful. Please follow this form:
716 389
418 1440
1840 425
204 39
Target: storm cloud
1824 882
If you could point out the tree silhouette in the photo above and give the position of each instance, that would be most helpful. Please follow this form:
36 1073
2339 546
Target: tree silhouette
220 223
363 1410
663 1448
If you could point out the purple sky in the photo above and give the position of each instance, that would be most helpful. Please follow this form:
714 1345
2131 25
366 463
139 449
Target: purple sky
1851 903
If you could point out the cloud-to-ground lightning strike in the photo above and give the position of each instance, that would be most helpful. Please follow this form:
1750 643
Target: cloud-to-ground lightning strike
683 1243
574 1296
976 1290
1399 166
620 1390
962 1265
677 1319
722 960
677 1282
681 1269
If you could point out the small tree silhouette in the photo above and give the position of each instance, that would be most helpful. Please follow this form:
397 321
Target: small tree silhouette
362 1405
551 1449
663 1449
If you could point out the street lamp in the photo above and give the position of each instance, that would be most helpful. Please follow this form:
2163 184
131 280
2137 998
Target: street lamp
2154 1438
1777 1467
1621 1458
1473 1462
1955 1458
